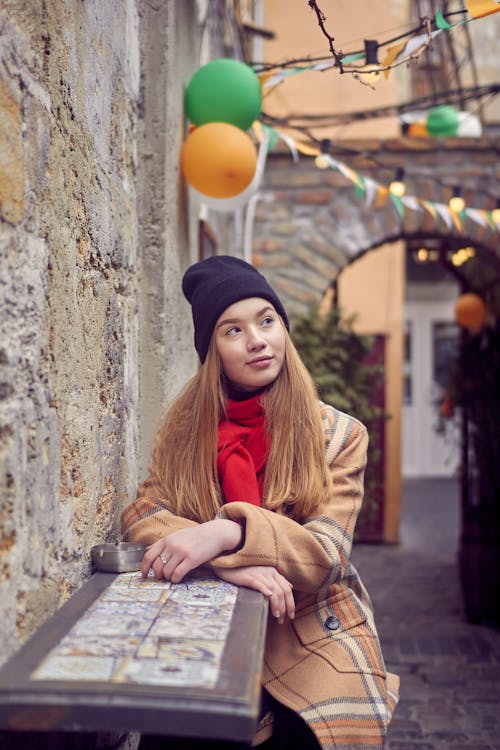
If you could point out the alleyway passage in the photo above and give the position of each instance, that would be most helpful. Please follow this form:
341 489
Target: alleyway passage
449 669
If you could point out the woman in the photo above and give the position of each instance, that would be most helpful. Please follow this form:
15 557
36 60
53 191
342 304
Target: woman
263 482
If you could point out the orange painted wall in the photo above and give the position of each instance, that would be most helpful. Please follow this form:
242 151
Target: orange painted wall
298 35
373 288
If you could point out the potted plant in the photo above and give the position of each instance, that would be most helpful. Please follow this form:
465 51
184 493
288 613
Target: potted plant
475 389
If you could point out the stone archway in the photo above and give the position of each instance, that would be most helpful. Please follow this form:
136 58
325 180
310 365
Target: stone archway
309 223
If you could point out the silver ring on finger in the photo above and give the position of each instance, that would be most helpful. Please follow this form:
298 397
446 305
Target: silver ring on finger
163 559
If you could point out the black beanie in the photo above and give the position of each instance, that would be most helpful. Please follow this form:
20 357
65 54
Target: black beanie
211 285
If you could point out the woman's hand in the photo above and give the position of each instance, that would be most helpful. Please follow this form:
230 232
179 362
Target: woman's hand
178 553
268 581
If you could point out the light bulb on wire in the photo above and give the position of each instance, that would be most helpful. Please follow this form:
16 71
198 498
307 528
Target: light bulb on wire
322 160
370 72
495 214
397 186
456 202
461 256
422 255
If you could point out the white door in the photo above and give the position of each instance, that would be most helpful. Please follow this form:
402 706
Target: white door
430 444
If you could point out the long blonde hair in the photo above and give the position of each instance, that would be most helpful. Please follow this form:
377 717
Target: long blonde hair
184 458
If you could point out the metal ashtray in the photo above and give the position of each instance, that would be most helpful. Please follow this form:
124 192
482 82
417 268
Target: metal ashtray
123 557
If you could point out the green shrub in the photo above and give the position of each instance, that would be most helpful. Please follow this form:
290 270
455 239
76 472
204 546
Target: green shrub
340 362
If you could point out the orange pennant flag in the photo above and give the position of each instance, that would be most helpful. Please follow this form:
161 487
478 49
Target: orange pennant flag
382 195
456 220
480 8
307 150
392 53
264 77
258 130
430 208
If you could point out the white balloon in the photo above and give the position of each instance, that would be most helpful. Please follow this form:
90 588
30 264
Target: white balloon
225 205
469 125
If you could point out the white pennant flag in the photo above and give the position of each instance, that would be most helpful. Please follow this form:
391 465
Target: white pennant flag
371 188
444 213
477 216
418 41
291 145
410 202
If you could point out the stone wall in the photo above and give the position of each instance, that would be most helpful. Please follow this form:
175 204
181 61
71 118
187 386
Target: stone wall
95 233
69 92
167 229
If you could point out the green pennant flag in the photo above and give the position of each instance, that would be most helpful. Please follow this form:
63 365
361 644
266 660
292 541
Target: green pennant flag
491 221
359 187
353 57
441 21
273 136
398 205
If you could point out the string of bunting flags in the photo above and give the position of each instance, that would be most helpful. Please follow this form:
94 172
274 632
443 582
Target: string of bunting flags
376 195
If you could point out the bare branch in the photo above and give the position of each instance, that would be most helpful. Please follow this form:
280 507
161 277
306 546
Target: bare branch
321 21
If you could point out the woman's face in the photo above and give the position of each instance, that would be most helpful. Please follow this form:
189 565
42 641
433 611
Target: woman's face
250 340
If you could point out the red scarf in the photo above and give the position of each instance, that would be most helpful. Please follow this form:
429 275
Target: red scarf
242 451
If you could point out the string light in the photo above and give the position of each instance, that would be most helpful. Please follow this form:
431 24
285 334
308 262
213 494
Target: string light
425 255
422 255
397 186
456 202
495 214
461 256
370 72
322 159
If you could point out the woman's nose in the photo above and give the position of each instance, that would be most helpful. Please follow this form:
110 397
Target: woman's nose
255 340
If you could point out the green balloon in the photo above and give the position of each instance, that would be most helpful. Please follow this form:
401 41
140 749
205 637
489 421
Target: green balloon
442 121
224 90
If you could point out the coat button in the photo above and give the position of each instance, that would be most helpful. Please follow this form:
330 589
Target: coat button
332 623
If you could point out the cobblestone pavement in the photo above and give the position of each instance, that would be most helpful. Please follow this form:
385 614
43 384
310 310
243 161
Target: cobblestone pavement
449 668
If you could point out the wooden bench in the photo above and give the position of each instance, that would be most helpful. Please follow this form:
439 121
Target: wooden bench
126 654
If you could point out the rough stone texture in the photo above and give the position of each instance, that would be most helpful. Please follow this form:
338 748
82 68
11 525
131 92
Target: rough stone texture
69 85
308 216
95 232
167 230
11 157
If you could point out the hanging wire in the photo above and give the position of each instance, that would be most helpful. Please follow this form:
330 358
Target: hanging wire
450 96
261 67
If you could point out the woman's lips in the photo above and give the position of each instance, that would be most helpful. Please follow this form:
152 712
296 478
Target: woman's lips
260 362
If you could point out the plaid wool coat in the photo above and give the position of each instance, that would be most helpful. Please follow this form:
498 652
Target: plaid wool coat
326 664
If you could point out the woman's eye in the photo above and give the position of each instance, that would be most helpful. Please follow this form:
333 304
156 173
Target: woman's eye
267 321
232 331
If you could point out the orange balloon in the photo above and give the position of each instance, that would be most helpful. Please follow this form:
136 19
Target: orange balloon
470 311
418 130
218 159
